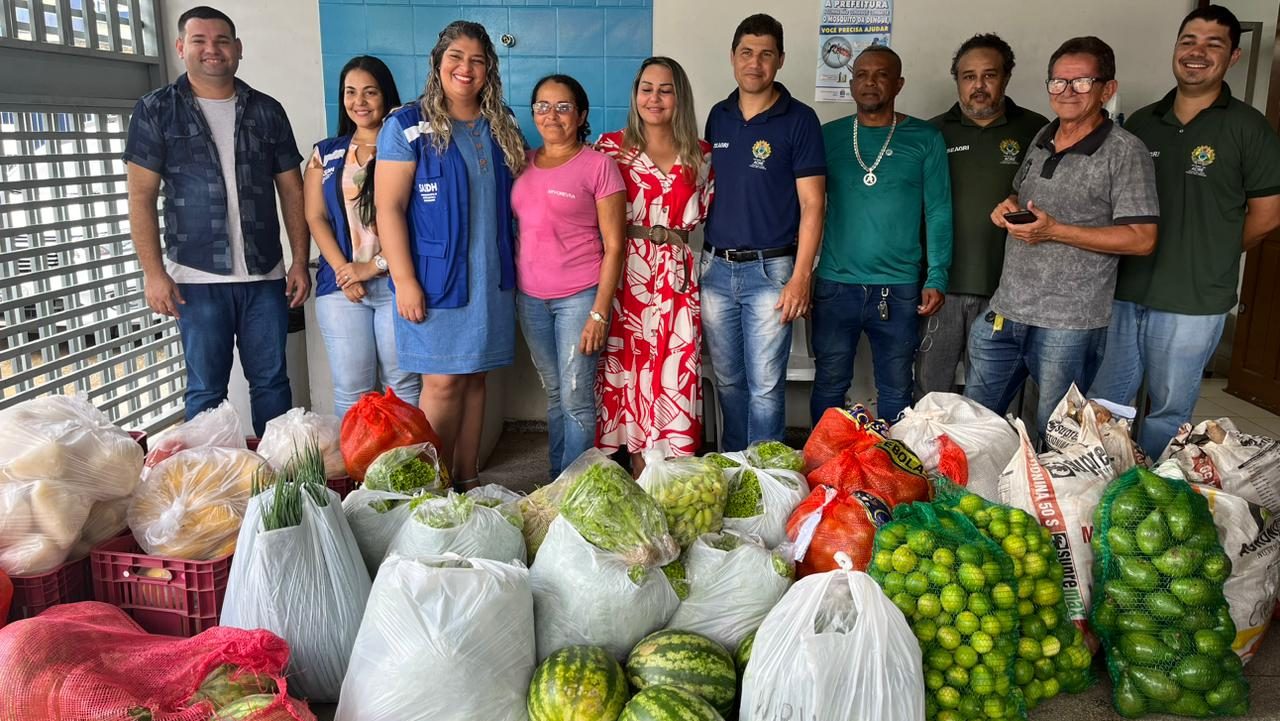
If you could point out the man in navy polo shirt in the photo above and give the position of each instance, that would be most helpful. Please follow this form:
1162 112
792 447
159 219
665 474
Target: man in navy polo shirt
762 234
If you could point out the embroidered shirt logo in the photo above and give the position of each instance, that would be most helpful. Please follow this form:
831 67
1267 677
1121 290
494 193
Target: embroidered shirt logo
1010 149
761 151
720 146
1201 158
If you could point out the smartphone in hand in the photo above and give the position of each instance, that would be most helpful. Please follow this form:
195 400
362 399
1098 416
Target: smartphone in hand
1020 217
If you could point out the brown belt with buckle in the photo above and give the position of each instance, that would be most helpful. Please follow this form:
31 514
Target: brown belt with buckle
662 235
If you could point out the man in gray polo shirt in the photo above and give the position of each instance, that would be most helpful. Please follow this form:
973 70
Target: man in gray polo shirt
1090 194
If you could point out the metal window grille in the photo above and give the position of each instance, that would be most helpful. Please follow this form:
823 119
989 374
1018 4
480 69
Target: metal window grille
114 26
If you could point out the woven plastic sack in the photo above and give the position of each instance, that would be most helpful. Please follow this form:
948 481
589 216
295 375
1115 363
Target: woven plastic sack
830 523
443 639
839 428
219 426
1164 623
760 499
691 492
91 661
305 583
957 590
482 523
377 423
835 648
733 583
584 595
1064 659
1216 454
985 441
291 433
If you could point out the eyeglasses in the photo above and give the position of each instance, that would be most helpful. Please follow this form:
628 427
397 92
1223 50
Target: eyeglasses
1058 86
542 107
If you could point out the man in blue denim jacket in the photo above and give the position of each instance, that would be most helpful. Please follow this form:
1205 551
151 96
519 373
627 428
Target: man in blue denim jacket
222 273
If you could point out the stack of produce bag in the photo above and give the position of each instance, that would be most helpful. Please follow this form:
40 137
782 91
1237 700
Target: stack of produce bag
91 661
377 510
958 438
443 639
1216 454
733 581
285 435
765 485
60 459
485 522
298 573
867 460
1053 655
1061 488
957 590
1160 613
595 579
378 423
190 505
834 648
219 427
691 492
831 522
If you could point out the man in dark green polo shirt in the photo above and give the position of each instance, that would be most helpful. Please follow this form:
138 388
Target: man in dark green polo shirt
986 135
1218 178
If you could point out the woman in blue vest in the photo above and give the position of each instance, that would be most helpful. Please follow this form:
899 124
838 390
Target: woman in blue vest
354 305
445 169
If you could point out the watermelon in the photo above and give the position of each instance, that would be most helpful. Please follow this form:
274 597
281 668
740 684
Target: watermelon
686 660
744 652
578 683
668 703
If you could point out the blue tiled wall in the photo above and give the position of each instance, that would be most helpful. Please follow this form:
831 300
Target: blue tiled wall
599 42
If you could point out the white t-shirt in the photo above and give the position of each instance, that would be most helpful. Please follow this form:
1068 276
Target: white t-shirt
221 117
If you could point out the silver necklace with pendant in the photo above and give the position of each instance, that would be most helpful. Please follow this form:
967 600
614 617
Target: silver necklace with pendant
870 178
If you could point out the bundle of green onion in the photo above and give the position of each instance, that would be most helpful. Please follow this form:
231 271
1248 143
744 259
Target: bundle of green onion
305 472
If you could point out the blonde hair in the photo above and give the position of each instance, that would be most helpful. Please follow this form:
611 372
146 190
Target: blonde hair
502 124
683 121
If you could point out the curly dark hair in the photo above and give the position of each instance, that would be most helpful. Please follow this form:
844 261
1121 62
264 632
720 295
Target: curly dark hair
985 41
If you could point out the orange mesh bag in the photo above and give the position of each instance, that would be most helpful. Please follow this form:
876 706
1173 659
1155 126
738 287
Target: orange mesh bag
830 521
952 461
887 469
91 661
837 430
378 423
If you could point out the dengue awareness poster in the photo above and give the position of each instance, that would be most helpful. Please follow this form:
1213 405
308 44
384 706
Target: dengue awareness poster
846 27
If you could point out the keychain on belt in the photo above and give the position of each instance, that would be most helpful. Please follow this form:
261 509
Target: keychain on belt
884 304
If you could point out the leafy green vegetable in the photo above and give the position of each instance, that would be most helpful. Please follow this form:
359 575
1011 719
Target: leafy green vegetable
675 573
285 507
775 455
404 470
722 461
614 513
745 496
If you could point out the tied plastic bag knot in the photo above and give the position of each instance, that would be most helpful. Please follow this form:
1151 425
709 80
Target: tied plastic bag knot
167 524
843 561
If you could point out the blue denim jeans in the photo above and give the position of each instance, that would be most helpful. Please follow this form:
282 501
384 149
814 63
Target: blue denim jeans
553 330
842 312
253 318
361 342
749 345
1170 350
1000 360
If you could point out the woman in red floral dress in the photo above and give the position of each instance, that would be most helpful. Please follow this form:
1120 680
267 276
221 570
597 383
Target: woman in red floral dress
650 382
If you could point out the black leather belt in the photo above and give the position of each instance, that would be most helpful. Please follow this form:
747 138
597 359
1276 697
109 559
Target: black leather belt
743 256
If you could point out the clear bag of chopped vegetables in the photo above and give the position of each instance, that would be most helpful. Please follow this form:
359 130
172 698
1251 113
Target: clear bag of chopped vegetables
482 523
764 488
408 470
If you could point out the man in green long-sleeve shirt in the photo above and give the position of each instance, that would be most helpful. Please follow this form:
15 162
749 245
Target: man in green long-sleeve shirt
883 169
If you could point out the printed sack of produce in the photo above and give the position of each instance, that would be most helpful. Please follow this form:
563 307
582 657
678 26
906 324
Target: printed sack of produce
219 426
691 492
1077 421
1216 454
956 589
839 428
834 648
1053 655
1159 610
378 509
831 522
297 572
765 486
444 638
115 670
733 581
985 440
190 505
482 523
289 434
377 423
578 683
1061 489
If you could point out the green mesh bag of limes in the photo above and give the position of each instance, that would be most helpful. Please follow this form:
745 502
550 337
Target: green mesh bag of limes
1052 653
1159 609
957 590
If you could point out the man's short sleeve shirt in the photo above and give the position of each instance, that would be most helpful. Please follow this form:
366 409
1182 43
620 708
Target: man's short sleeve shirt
1105 179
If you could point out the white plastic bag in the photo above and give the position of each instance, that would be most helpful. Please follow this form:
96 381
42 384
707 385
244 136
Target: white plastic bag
1215 453
291 433
40 521
834 648
780 493
304 583
584 595
987 439
213 427
106 520
375 518
443 639
463 524
734 581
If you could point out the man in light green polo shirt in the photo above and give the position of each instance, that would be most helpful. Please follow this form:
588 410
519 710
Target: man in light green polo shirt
1217 166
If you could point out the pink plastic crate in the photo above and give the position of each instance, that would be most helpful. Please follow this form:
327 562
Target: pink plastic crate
164 595
68 583
141 438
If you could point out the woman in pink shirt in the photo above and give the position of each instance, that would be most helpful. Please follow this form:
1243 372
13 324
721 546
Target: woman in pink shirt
570 218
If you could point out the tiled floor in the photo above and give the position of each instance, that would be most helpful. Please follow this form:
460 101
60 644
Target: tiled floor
1215 403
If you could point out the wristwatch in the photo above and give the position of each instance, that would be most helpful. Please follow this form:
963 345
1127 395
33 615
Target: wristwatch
380 263
598 318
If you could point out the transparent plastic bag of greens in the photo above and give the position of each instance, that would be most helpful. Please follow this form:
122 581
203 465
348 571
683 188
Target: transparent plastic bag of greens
691 492
482 523
760 500
408 470
613 513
